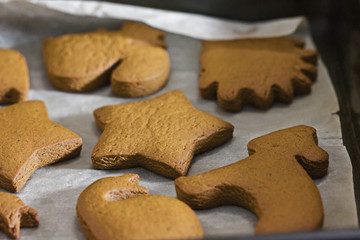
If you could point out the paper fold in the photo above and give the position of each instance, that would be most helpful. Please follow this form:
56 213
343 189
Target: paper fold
187 24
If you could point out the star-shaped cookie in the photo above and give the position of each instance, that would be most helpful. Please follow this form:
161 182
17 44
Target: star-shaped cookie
14 76
86 61
255 72
161 134
14 214
29 140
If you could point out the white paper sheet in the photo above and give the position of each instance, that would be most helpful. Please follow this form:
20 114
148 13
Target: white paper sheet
187 24
54 190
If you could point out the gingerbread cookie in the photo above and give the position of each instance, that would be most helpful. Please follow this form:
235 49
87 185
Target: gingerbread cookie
161 134
255 72
14 214
143 32
118 208
29 140
14 77
279 44
274 182
84 62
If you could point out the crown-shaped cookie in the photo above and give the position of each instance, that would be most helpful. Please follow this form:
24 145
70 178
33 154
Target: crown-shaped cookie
255 71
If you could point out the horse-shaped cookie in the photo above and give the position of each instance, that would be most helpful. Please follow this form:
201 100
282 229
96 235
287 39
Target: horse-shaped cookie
274 182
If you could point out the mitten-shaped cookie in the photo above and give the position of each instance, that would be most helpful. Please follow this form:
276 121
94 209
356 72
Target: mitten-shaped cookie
86 61
143 32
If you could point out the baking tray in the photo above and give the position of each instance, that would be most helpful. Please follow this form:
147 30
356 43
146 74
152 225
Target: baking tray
335 30
324 33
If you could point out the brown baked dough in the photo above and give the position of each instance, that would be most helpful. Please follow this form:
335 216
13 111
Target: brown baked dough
143 32
118 208
14 214
29 140
255 72
14 77
86 61
278 44
161 134
274 182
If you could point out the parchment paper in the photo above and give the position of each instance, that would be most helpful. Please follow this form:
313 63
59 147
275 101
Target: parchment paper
53 190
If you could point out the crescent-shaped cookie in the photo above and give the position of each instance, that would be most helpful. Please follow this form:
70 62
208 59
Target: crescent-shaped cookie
118 208
14 214
274 182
